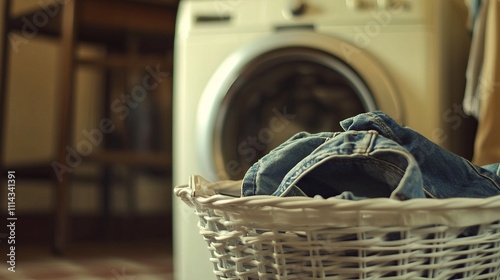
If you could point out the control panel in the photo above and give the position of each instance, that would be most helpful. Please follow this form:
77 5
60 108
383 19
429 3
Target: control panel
350 11
377 4
301 7
262 14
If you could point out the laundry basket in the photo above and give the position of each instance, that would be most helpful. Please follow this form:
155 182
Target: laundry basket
266 237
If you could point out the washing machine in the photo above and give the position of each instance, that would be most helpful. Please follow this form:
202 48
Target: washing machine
248 74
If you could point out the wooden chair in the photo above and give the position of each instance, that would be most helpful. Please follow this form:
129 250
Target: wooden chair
128 29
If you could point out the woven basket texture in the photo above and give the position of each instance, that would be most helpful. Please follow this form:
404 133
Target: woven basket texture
264 237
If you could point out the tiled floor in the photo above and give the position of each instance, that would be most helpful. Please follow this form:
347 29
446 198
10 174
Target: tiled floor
93 262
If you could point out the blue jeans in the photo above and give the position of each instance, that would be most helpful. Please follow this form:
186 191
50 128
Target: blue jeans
373 157
266 174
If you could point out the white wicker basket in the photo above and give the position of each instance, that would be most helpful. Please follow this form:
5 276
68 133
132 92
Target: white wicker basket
266 237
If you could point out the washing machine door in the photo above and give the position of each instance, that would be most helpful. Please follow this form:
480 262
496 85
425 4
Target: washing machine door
268 90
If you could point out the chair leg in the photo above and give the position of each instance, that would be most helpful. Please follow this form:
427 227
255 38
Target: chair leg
66 78
4 77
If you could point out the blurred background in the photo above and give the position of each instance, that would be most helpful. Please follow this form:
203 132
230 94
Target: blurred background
86 126
97 138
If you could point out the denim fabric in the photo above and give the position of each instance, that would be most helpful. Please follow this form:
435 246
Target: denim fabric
265 175
355 165
444 173
374 157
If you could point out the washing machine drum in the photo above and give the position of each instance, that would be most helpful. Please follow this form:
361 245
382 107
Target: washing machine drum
279 94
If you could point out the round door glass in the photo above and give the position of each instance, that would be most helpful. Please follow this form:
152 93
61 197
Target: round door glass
279 94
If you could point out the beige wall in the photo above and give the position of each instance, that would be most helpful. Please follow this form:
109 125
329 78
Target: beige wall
32 125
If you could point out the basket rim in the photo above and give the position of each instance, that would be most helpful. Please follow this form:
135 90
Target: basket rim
380 204
387 211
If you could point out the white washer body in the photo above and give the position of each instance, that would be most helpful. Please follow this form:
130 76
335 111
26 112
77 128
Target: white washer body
410 53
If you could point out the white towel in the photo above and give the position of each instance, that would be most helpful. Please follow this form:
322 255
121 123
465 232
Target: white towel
472 96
